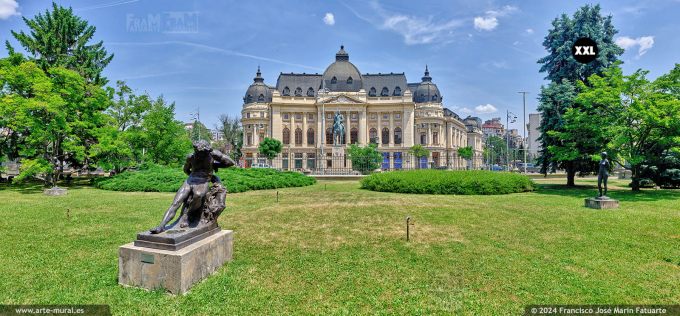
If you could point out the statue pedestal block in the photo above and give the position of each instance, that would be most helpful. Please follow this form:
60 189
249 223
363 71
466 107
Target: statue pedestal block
601 203
55 191
174 270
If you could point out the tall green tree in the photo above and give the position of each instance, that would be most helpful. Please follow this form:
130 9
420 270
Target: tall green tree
232 131
199 131
59 38
56 113
635 119
564 72
495 149
165 139
418 151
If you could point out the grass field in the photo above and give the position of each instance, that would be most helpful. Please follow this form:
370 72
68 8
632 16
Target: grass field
333 248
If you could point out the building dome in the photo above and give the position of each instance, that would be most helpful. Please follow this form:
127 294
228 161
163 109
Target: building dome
342 75
426 90
258 91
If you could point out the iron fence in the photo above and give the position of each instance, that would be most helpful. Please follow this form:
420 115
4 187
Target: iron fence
344 164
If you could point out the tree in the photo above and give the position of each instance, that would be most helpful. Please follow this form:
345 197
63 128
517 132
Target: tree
418 151
364 159
56 114
270 147
232 130
165 140
564 72
495 149
637 120
465 153
58 38
199 131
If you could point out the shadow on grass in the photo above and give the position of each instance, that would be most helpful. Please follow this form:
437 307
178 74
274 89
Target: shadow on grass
38 187
627 195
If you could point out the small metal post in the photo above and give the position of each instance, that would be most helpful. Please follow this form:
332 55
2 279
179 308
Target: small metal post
68 214
408 228
277 196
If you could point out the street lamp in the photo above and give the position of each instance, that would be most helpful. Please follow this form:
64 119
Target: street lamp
524 127
509 116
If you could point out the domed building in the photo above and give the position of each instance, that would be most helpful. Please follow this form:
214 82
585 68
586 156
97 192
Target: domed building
383 109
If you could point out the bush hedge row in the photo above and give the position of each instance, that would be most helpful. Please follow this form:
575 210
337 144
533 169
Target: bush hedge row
448 182
155 178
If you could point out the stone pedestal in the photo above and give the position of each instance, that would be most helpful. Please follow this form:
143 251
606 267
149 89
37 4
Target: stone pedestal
601 203
55 191
338 157
174 270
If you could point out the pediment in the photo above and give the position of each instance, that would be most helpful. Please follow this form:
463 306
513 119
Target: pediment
342 99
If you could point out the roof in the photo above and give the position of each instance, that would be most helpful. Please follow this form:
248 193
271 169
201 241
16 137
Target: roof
303 81
390 81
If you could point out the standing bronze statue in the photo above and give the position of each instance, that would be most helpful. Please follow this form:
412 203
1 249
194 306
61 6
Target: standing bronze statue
201 202
602 175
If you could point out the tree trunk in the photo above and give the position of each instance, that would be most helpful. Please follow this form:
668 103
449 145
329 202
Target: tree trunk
571 174
635 183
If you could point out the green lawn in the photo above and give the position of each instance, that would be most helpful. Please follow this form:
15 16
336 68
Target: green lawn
333 248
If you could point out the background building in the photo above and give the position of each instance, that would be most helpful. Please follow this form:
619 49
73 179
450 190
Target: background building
378 108
533 133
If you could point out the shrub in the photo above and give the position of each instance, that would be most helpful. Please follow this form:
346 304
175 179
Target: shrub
448 182
155 178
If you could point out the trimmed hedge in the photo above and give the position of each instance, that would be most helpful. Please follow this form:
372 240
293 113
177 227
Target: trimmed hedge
448 182
156 178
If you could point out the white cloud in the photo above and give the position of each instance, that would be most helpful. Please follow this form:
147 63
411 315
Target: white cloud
485 24
329 19
489 21
485 109
465 111
644 42
8 8
530 31
415 30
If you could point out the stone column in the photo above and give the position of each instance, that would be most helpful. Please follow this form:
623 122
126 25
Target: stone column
391 129
362 127
304 129
429 135
348 128
379 138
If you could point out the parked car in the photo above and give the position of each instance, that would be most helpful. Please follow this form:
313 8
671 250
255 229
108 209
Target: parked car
497 168
530 167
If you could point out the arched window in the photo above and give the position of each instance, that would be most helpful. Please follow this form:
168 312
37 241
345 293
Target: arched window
434 97
397 136
349 80
385 136
310 136
334 80
260 98
397 91
354 135
373 136
310 92
249 98
329 136
298 92
423 139
286 136
385 92
371 93
286 91
298 136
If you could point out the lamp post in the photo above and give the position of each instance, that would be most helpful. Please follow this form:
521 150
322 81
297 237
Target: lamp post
509 115
524 127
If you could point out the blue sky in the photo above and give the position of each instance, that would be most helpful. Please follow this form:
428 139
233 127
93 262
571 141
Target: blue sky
480 53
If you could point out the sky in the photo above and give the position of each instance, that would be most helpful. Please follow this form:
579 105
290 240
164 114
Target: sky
203 54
